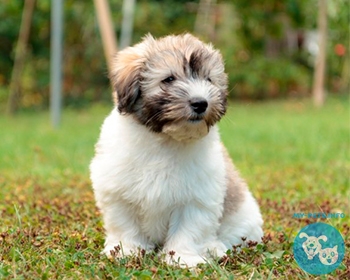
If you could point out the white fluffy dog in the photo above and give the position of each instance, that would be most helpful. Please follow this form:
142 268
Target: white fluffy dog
161 177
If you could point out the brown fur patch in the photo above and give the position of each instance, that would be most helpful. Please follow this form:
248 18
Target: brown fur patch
236 186
125 78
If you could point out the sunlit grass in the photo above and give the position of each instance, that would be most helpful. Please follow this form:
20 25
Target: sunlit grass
291 145
30 146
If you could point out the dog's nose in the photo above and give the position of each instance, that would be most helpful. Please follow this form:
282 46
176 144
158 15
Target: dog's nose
199 105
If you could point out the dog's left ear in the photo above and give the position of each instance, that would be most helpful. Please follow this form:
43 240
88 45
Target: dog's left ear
322 237
125 78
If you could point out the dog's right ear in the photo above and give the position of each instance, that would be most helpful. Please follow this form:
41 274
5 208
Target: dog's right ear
125 78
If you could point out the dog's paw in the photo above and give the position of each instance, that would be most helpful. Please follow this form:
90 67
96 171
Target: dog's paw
120 250
184 260
209 252
216 249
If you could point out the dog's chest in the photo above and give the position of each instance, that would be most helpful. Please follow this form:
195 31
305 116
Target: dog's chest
153 177
165 181
135 164
161 177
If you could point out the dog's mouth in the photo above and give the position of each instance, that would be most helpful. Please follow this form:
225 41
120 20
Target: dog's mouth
196 119
311 251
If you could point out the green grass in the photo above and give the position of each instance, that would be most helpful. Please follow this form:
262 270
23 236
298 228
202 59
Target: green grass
294 157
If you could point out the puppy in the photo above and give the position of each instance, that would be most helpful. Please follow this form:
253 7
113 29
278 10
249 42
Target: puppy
161 177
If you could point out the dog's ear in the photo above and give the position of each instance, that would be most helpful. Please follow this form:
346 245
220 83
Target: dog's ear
322 237
303 234
125 78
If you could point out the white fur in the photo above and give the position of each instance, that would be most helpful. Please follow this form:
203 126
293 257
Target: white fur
154 190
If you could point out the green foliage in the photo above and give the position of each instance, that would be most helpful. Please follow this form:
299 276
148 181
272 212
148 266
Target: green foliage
161 18
251 35
10 14
261 77
260 63
293 156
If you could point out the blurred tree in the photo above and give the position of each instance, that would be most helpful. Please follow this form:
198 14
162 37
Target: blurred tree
163 17
20 53
319 72
263 58
127 24
263 44
338 64
10 14
205 20
106 29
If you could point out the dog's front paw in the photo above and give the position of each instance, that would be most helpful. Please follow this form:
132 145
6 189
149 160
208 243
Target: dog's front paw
215 249
184 260
118 250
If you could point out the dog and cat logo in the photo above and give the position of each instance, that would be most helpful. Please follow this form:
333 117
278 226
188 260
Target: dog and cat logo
319 248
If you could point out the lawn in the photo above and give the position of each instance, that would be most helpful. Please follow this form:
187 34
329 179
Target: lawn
294 157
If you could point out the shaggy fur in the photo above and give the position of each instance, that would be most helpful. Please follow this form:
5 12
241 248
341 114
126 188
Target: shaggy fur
161 177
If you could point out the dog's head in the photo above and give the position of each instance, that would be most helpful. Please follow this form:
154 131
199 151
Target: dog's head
175 85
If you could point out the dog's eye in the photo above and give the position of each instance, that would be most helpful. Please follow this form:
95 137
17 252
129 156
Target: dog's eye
209 80
169 79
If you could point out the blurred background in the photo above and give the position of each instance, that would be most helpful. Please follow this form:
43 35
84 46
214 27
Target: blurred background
270 47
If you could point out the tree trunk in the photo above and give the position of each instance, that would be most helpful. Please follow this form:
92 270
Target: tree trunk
205 20
127 24
318 91
20 53
56 61
106 29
